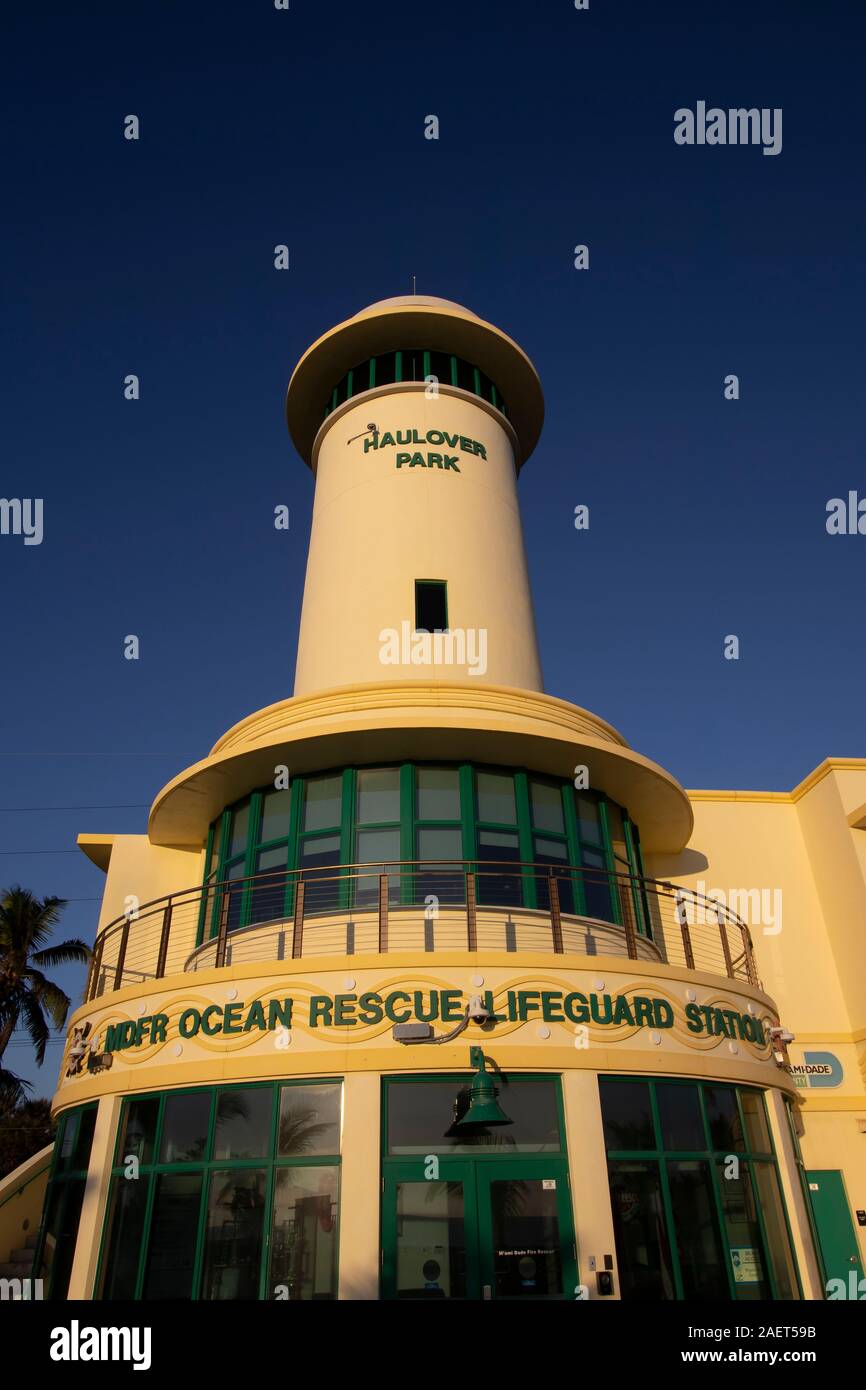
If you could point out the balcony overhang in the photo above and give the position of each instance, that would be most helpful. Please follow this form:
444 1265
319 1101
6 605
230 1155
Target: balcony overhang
440 721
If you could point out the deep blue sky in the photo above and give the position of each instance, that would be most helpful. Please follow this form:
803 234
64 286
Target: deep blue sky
261 127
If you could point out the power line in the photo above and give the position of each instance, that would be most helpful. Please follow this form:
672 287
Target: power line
103 806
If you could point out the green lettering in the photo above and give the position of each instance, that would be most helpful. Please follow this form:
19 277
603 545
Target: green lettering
255 1017
693 1018
157 1031
389 1006
387 438
451 462
279 1013
320 1007
643 1011
431 1013
343 1004
663 1014
480 449
451 1004
189 1023
525 998
551 1003
402 458
608 1009
576 1008
205 1020
418 461
622 1012
371 1008
232 1018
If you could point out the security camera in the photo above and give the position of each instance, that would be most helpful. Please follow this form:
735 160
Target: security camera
478 1010
782 1035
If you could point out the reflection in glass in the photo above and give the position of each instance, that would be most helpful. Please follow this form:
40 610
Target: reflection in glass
304 1234
378 795
322 803
310 1118
723 1118
496 798
778 1240
755 1116
743 1233
421 1115
126 1210
243 1122
546 807
444 881
438 794
702 1267
173 1231
185 1124
234 1234
526 1247
642 1252
276 815
627 1114
506 890
431 1240
680 1116
139 1130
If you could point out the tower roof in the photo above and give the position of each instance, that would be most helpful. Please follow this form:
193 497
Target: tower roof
414 321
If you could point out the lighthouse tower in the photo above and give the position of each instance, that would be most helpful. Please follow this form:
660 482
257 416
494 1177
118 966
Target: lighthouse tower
415 417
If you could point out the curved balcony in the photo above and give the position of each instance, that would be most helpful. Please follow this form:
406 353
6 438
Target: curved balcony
357 910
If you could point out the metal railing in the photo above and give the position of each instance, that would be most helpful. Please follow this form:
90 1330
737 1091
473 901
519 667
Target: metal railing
359 909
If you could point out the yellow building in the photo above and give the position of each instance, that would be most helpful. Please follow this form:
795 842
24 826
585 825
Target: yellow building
424 984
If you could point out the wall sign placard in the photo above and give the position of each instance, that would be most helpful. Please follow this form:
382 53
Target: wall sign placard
326 1011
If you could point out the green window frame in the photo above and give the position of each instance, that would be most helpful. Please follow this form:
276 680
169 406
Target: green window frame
460 373
207 1168
64 1197
593 893
714 1157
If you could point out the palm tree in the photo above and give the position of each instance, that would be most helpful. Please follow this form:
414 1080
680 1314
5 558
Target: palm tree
26 925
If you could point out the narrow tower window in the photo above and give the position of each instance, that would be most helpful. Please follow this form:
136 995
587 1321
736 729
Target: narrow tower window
431 605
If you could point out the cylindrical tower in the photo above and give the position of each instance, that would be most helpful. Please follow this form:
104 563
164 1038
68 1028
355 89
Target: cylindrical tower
415 416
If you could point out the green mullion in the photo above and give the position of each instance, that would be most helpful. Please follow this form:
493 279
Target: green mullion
723 1228
372 372
635 893
297 785
453 371
607 852
494 400
407 830
467 810
270 1184
205 1198
398 365
756 1192
350 385
224 821
347 832
426 365
477 381
524 837
574 855
666 1196
203 904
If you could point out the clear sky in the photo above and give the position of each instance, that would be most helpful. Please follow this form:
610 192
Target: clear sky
306 127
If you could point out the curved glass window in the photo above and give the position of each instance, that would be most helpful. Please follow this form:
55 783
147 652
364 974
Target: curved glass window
414 364
527 838
237 1194
697 1208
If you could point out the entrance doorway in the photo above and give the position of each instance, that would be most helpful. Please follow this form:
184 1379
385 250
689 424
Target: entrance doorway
836 1234
483 1214
483 1230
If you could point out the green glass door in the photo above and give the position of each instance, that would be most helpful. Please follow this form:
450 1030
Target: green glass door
479 1229
525 1233
429 1231
836 1234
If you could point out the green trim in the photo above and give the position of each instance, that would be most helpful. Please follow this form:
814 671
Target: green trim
206 1166
747 1157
